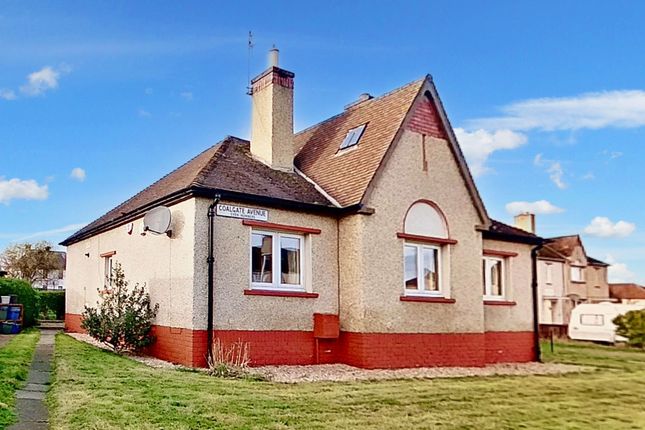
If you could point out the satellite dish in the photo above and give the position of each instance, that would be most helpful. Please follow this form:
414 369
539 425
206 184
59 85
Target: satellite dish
157 220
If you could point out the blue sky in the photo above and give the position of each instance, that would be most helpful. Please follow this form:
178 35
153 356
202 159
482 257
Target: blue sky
547 100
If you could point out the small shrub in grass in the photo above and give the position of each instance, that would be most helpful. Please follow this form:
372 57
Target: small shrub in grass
230 361
123 318
632 326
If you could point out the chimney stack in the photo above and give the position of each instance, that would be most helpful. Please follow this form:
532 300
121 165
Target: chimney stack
272 119
525 221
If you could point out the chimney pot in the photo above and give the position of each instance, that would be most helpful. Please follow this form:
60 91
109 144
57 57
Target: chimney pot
274 55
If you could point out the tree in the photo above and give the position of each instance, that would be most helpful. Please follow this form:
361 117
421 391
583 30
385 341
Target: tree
632 326
29 261
123 318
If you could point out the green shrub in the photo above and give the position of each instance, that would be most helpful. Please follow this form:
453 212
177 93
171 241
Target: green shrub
52 305
123 319
27 296
632 326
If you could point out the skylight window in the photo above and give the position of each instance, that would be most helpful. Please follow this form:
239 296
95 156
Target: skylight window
352 138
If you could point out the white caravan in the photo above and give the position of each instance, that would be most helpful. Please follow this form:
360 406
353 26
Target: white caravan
593 321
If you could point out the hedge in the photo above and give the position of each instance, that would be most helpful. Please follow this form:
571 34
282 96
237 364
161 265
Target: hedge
27 296
52 302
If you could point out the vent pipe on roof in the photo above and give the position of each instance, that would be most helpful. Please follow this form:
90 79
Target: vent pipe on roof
362 98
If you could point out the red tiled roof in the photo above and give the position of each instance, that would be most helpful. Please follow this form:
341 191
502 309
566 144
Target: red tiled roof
626 291
346 176
226 166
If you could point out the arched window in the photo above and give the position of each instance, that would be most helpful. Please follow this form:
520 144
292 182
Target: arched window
425 219
426 251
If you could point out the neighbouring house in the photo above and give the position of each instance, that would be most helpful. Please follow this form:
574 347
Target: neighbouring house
359 240
55 278
567 276
628 293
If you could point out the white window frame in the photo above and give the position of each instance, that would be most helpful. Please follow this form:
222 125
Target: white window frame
108 268
422 291
502 277
276 260
549 273
582 274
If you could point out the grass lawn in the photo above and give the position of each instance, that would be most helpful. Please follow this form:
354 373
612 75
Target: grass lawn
15 359
94 389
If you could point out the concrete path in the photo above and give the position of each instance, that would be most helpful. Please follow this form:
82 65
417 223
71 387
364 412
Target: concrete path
30 404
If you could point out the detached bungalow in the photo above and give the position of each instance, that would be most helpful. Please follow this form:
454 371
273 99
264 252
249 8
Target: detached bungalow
360 240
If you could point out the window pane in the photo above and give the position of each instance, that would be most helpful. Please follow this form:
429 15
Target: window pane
261 258
410 257
290 260
495 278
430 269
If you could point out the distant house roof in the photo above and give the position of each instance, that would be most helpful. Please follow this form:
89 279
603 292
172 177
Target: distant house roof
626 291
501 231
562 247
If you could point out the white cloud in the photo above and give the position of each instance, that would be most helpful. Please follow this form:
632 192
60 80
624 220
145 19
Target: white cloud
618 272
602 226
480 144
588 176
43 80
23 189
144 113
553 168
6 94
186 95
620 109
78 174
53 232
539 207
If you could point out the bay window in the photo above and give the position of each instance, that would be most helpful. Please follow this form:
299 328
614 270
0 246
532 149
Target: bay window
277 260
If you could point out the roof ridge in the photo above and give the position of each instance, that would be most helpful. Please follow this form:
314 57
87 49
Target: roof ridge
213 159
363 104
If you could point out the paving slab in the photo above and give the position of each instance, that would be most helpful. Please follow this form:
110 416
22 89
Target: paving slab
36 387
31 411
37 377
30 395
30 405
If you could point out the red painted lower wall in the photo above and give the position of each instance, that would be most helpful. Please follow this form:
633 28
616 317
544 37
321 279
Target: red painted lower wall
367 350
509 347
397 350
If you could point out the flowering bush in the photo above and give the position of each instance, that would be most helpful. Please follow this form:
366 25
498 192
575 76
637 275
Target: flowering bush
123 318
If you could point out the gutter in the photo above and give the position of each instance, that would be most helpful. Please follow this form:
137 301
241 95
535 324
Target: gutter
210 261
534 289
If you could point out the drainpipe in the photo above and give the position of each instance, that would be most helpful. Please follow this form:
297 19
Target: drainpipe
210 260
534 288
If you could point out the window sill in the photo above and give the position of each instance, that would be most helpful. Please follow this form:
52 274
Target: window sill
426 299
499 303
276 293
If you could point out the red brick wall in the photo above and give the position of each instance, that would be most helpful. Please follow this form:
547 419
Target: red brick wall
179 345
73 323
273 347
367 350
397 350
425 120
510 347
